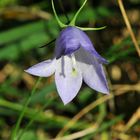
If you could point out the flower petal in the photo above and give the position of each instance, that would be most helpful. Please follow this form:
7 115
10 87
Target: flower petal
71 39
86 44
43 69
67 42
92 71
68 81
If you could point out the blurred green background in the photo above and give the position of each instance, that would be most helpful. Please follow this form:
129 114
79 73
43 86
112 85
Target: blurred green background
25 25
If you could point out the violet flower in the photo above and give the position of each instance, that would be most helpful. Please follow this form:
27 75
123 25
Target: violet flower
75 61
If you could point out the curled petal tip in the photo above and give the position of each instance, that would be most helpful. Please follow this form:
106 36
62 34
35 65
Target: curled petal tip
105 91
27 71
103 60
66 102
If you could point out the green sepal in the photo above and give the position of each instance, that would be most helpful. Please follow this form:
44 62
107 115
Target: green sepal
91 29
72 23
62 25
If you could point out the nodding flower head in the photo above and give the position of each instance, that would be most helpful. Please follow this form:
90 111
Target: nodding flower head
75 60
71 39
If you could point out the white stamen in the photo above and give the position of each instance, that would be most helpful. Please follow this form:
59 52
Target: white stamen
74 71
73 61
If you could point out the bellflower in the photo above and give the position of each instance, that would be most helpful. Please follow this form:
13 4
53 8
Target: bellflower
75 60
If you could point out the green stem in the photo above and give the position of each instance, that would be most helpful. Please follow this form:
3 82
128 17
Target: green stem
58 20
102 110
64 11
33 119
14 133
72 23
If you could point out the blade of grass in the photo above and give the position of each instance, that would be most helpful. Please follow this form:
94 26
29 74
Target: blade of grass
33 118
42 117
93 129
129 28
14 133
85 110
